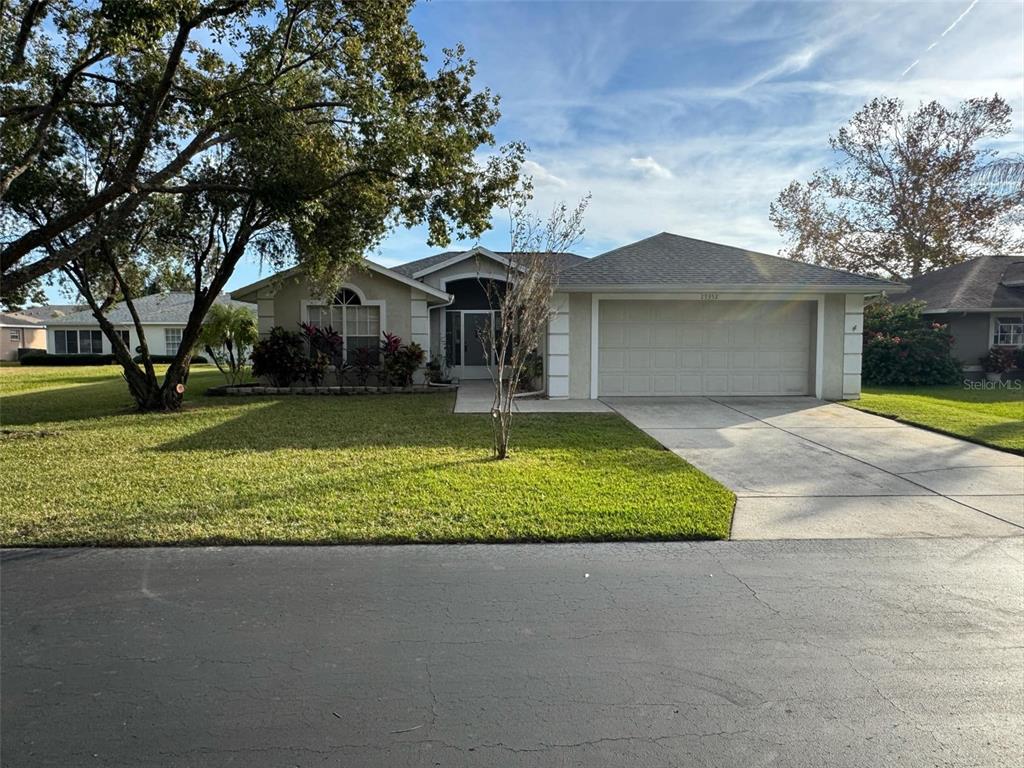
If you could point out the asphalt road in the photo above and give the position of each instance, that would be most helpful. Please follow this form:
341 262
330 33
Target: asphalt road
840 653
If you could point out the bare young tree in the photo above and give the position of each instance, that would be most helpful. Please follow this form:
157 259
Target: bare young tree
522 301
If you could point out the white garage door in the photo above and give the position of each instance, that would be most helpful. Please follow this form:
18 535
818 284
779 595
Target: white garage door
704 347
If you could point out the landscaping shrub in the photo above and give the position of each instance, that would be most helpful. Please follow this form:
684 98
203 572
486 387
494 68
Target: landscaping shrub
999 360
399 361
281 357
42 358
168 359
902 347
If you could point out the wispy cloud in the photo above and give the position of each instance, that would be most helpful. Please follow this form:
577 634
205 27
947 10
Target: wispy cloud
650 168
541 175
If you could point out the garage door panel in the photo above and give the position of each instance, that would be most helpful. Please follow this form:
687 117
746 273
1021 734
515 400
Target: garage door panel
690 384
743 358
612 360
612 384
666 359
638 335
795 383
716 383
716 358
690 335
793 357
665 384
710 348
639 360
639 384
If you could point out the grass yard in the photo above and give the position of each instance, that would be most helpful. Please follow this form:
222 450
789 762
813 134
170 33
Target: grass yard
992 417
78 466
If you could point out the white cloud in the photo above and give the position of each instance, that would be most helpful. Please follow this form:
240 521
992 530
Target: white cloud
650 168
542 176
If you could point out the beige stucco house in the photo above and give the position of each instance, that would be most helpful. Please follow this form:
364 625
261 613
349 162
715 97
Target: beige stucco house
19 331
667 315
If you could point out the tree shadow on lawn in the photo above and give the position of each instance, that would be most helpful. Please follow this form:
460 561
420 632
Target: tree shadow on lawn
398 421
93 400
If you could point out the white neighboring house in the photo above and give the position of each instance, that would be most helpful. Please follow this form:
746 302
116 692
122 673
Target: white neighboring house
163 316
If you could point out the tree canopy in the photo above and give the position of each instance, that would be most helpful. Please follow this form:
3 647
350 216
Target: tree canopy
154 137
908 192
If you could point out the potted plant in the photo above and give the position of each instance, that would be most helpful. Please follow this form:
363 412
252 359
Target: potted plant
437 371
998 361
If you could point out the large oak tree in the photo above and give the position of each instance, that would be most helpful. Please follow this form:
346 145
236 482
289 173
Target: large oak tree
907 193
146 136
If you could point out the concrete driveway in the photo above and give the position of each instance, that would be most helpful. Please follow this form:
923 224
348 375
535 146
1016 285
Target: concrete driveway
802 468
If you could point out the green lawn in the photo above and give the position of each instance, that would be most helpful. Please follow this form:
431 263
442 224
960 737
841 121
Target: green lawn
989 416
78 466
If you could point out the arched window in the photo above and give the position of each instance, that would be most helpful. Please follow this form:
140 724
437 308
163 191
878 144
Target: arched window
359 324
347 297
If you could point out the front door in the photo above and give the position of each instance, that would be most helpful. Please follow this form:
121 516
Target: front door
474 357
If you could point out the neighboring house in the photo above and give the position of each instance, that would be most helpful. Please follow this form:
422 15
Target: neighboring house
668 315
20 331
163 316
981 300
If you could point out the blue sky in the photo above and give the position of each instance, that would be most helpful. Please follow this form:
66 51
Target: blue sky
690 117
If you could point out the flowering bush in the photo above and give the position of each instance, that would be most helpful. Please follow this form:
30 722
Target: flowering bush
902 347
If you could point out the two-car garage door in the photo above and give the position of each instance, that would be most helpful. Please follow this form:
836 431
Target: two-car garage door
654 347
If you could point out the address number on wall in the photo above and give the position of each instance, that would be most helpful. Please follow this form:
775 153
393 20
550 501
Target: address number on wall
708 296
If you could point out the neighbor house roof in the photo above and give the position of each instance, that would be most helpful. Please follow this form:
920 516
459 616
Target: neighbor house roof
564 261
978 285
19 320
672 260
50 311
158 309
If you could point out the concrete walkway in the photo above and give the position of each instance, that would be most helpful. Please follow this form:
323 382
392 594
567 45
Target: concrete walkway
806 469
477 397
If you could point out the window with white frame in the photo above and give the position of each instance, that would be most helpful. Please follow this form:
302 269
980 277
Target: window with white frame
1008 331
16 335
126 338
172 340
78 342
358 323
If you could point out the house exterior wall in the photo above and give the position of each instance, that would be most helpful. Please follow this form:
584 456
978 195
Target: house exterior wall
155 337
842 319
29 338
971 334
283 305
579 345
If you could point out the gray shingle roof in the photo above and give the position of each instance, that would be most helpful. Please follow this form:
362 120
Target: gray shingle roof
49 311
668 259
19 318
565 261
162 308
971 285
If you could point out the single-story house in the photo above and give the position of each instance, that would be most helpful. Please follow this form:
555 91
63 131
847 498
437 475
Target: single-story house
20 331
163 315
981 300
667 315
